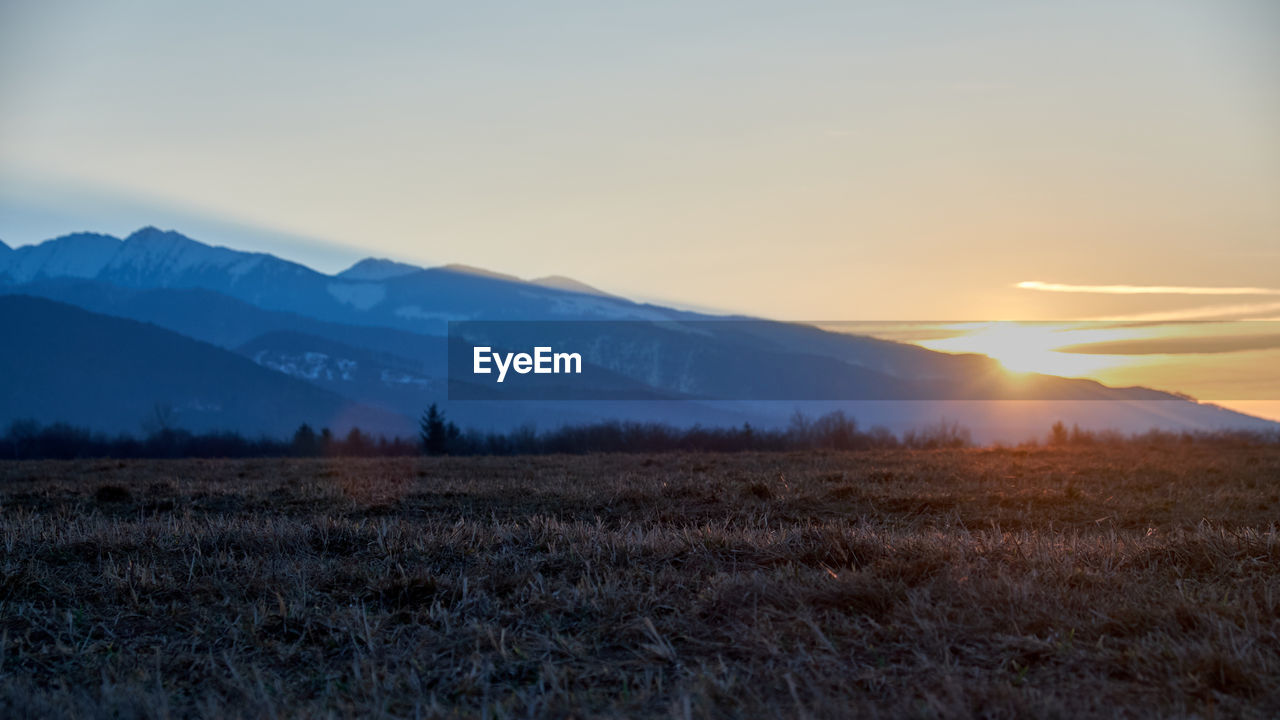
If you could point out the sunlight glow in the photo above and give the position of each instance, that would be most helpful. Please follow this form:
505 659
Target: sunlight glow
1033 347
1212 361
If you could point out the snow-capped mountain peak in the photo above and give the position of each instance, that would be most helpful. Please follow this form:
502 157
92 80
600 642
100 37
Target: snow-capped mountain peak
375 269
149 257
79 255
151 251
154 235
375 291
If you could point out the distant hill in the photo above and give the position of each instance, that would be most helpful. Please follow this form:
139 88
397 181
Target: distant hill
62 363
560 282
380 378
227 322
377 269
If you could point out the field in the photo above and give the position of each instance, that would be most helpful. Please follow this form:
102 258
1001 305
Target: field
1108 582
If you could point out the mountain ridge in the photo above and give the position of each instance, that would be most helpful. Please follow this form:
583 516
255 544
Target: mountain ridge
171 250
560 282
421 300
372 268
240 300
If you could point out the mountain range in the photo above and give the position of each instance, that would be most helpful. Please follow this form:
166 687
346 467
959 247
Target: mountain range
258 344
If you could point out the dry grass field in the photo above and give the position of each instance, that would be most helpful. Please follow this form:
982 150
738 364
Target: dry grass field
1102 582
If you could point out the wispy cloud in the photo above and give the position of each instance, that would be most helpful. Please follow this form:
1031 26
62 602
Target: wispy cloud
1144 289
1177 345
1212 312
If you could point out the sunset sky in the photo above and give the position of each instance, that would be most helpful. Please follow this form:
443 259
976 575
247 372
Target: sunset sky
804 161
798 160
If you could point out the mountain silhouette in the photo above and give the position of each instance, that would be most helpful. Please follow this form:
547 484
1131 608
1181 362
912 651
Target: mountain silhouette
65 364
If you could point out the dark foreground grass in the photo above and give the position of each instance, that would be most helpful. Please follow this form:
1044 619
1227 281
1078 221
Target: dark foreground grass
1123 582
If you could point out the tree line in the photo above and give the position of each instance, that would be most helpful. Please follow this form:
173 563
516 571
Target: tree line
28 439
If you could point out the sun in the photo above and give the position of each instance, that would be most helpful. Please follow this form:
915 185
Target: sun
1032 347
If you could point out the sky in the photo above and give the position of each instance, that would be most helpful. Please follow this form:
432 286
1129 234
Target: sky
803 161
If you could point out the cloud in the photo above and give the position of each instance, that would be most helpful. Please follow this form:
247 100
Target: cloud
1144 289
1177 345
1211 312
